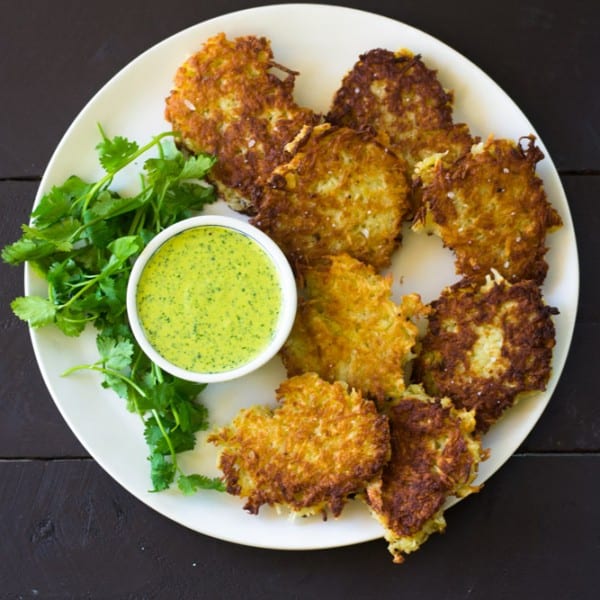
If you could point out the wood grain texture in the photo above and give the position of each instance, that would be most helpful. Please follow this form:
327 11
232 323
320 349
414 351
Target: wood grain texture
81 536
58 54
67 530
30 424
583 193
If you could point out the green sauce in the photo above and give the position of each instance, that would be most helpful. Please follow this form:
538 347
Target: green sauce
209 299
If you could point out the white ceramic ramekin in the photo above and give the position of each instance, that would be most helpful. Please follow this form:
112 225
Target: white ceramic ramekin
287 310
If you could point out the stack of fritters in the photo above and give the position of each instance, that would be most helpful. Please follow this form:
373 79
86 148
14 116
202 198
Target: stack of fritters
434 456
397 97
228 101
490 208
321 444
347 328
487 346
341 191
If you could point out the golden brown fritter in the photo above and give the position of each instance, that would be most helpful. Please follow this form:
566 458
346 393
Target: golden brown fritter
228 101
487 345
321 444
491 209
391 92
342 191
435 455
348 329
396 96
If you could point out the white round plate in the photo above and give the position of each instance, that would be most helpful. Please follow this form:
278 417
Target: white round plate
322 43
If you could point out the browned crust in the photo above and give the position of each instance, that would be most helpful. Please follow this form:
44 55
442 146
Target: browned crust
321 444
228 101
348 328
398 98
460 320
448 143
491 209
341 191
410 96
434 456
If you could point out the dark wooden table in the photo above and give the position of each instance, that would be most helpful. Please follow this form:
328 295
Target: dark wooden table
67 530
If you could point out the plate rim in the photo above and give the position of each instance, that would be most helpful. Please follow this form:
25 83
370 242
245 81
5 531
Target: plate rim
155 48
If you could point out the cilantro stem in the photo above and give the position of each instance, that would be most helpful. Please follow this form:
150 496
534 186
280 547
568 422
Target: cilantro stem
87 286
105 371
167 438
104 181
87 319
137 222
158 374
136 363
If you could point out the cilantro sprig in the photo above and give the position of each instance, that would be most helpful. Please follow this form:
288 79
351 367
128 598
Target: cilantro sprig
82 239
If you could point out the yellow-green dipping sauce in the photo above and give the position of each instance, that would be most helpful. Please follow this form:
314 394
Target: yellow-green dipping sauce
209 299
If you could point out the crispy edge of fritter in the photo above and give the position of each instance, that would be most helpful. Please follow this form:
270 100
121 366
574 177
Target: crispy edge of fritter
341 191
491 210
401 100
391 93
447 145
227 101
435 455
480 363
264 449
348 328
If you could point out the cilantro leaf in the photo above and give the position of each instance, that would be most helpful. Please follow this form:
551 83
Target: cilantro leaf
115 353
58 202
180 440
37 311
192 417
115 357
109 205
26 249
162 472
124 247
60 232
116 152
197 167
52 207
71 324
189 484
63 277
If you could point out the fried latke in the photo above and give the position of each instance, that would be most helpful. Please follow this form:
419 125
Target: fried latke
491 209
396 96
348 329
322 443
228 101
435 455
487 345
342 191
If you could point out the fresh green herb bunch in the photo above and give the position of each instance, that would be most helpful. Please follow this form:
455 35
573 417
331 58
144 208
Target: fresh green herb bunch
83 239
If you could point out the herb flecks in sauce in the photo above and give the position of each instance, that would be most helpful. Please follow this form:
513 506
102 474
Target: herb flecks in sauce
209 299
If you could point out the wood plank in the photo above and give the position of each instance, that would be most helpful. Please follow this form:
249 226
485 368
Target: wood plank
583 194
57 55
69 531
571 421
31 425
